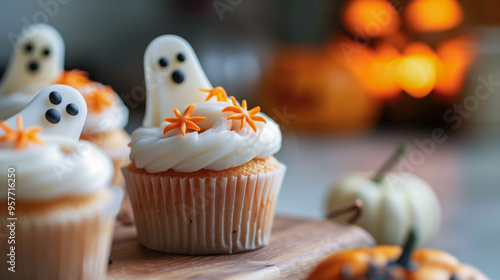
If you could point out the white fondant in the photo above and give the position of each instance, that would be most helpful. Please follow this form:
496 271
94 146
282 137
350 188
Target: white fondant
220 145
18 77
68 127
163 94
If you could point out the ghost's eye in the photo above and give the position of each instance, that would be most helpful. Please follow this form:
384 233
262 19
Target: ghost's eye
53 116
46 52
163 62
55 97
28 48
72 109
181 57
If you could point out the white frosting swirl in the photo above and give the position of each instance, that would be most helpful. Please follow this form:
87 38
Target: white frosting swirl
59 168
219 145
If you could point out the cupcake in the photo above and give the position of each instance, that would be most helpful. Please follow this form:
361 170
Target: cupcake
38 61
106 119
202 179
63 208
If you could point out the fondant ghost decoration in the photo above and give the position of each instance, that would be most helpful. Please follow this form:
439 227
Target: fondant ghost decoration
37 61
173 78
59 109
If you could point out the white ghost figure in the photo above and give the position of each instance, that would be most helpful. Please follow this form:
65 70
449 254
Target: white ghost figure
59 109
173 77
37 60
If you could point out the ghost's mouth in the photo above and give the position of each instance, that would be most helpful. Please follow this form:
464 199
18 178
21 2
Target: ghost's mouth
178 77
33 66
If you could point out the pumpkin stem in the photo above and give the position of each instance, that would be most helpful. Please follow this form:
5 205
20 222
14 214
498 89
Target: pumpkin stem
401 150
410 244
356 207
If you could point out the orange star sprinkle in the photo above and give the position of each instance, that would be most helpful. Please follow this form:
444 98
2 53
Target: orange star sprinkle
246 116
218 92
73 78
21 137
99 98
184 121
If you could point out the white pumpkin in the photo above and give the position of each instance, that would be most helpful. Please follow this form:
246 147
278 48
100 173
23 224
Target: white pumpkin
391 207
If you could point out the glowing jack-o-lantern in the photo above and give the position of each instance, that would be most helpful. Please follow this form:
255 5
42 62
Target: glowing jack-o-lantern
385 61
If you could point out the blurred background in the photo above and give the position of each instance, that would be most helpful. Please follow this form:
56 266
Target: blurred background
346 80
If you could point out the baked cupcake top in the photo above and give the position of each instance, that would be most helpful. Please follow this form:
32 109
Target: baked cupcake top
37 62
210 131
41 144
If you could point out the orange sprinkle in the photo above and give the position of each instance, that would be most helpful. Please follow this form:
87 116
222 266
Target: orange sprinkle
246 116
99 98
73 78
218 92
21 137
184 121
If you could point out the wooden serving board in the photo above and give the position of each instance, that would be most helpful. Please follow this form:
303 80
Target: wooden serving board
297 245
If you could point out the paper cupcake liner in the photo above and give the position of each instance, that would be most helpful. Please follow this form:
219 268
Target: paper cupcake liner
65 243
200 216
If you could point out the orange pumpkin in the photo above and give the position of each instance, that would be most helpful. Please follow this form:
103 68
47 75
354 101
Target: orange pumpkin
307 89
394 263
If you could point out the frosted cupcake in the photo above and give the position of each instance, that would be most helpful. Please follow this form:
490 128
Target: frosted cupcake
37 62
203 179
64 209
107 116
